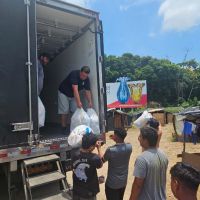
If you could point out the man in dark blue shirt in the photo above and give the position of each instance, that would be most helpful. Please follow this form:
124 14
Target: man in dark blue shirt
68 94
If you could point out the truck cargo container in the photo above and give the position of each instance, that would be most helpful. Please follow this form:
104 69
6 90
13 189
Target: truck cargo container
73 37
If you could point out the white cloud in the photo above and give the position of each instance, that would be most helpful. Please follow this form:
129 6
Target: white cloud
130 3
152 34
180 15
83 3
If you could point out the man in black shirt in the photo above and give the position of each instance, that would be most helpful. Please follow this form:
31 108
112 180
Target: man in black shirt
85 165
68 94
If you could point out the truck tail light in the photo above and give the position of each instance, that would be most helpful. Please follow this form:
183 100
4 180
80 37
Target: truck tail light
3 154
54 146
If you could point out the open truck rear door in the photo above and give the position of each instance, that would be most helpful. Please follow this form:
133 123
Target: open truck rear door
101 75
18 77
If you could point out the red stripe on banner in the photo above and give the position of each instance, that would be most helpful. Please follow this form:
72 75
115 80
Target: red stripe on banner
130 103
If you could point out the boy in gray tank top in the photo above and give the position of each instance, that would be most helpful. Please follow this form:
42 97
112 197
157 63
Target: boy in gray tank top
150 169
118 160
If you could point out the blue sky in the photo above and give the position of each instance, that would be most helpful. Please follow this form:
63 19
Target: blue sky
158 28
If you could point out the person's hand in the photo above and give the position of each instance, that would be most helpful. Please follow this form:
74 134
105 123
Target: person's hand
101 179
90 105
98 144
79 105
111 136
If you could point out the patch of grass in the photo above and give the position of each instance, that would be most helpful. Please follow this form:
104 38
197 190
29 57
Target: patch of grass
173 109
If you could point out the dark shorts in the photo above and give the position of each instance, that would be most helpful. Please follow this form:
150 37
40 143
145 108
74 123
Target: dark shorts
114 194
77 197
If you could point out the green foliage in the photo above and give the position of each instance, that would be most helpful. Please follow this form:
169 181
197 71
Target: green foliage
191 102
167 83
173 109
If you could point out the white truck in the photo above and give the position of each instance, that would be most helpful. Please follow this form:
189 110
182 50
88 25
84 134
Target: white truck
73 36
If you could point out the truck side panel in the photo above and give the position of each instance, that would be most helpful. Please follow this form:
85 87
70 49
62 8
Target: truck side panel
13 71
101 74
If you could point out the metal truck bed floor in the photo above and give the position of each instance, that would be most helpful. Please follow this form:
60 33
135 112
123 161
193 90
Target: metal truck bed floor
52 131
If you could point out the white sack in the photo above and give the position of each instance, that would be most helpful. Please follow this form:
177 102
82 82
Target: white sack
75 137
41 113
143 119
94 120
79 117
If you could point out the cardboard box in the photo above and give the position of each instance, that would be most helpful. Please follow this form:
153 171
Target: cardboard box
169 117
192 159
160 117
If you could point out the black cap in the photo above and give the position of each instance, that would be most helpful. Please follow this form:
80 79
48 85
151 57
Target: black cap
121 133
89 140
154 123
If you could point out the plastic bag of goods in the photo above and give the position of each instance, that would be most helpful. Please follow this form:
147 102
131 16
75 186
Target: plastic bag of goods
94 120
79 117
143 119
75 137
41 113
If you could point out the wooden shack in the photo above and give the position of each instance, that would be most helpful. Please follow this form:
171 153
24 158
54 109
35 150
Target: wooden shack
192 159
118 119
159 114
169 117
191 114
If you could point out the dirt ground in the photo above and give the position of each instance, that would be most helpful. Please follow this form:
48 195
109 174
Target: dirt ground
169 147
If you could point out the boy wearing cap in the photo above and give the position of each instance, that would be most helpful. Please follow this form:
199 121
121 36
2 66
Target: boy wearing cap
154 123
85 165
118 157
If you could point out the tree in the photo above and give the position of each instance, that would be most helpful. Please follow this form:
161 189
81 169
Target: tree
166 81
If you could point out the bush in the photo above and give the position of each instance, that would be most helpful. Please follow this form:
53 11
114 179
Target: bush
173 109
191 102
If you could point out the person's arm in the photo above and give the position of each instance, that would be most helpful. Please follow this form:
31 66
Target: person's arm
140 171
136 188
159 135
97 159
88 92
99 150
106 155
76 96
40 75
89 97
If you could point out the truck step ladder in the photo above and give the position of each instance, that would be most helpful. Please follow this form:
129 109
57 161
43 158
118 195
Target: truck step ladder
43 177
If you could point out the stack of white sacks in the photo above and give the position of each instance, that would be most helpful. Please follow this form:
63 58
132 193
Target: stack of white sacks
81 123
